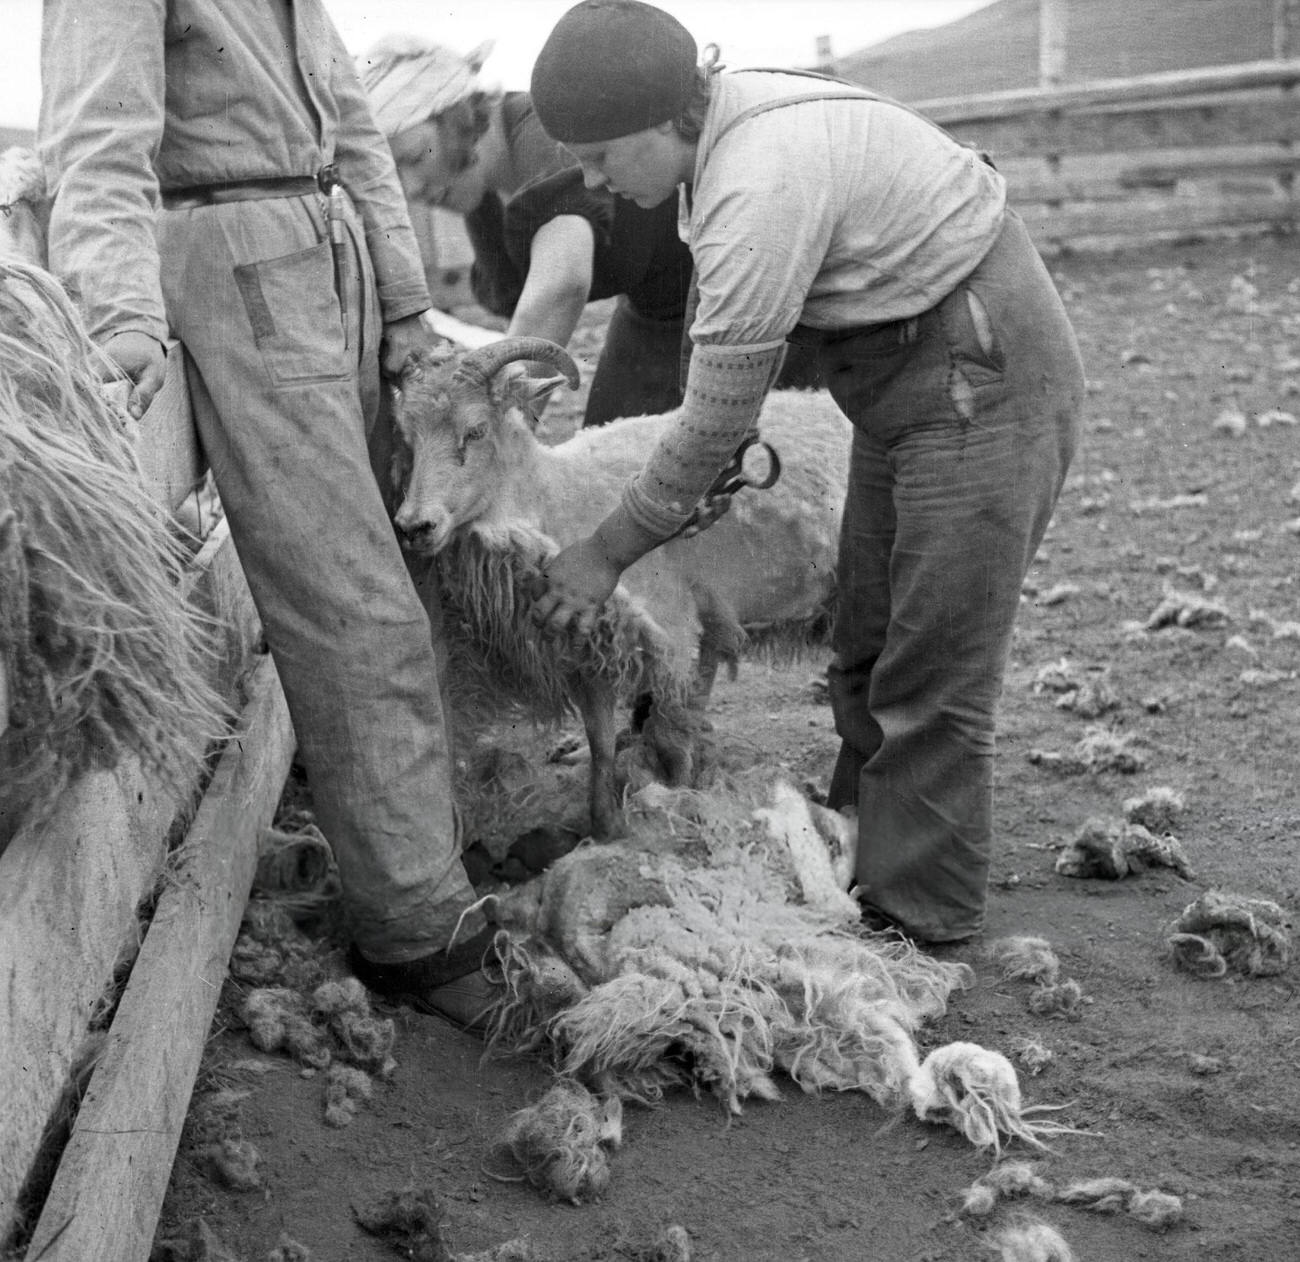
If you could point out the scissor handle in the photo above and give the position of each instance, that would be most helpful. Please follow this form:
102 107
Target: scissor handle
733 477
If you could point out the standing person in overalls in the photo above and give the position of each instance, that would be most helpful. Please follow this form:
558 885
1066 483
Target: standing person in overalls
818 213
217 177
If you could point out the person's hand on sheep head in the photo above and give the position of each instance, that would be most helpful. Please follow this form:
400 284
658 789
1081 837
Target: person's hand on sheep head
574 585
401 339
142 359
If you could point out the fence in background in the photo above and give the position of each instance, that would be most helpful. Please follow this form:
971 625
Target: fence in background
1165 156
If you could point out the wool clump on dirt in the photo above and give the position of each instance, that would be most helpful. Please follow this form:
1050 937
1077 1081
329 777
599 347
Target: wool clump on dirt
278 1020
518 1249
347 1088
1185 609
287 1249
1113 851
1112 1195
562 1143
1032 1241
1100 749
271 950
1222 931
1060 1000
363 1039
234 1163
1031 1054
975 1091
296 868
1159 809
1024 957
1004 1182
411 1220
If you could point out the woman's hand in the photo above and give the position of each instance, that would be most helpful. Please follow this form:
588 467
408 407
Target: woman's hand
402 338
143 361
572 589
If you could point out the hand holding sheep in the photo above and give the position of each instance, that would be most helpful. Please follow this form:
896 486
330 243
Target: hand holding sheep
582 577
575 585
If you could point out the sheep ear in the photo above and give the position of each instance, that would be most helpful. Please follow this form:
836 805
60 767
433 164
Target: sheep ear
530 393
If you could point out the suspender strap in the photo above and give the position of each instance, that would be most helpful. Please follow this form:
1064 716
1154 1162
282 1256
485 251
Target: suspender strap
853 93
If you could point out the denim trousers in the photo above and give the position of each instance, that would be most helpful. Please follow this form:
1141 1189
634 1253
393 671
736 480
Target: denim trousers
286 405
964 423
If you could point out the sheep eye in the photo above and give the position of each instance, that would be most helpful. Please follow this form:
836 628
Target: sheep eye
475 433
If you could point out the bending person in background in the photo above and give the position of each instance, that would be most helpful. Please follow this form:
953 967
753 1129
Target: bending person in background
545 245
245 125
821 214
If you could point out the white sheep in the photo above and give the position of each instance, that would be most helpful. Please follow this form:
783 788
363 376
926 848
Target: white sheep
479 484
24 209
475 463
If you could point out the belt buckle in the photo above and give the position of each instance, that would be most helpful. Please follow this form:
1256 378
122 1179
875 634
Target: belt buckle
327 178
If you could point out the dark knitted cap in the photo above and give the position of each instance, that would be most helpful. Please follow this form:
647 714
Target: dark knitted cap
611 68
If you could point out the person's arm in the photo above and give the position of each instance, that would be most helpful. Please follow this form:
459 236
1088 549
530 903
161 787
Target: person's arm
725 389
559 280
366 166
101 122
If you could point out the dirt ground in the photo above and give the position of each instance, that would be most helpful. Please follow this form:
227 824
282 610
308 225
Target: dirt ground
1188 481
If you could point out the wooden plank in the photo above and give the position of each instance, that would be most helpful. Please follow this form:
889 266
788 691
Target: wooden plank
1222 120
1088 177
108 1192
166 443
69 893
1166 86
224 596
1169 218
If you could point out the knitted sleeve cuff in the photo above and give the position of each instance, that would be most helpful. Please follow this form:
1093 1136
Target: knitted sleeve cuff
724 393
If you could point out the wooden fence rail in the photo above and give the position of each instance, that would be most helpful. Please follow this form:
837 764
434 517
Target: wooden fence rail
1127 161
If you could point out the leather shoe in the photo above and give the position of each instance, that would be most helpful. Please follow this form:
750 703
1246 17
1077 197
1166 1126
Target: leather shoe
450 984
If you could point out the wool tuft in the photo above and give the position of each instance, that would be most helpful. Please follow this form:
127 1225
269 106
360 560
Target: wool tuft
105 655
1032 1241
1031 1054
1114 851
1222 931
562 1142
975 1091
1025 957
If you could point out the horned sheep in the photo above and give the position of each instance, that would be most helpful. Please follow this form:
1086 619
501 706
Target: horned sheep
476 480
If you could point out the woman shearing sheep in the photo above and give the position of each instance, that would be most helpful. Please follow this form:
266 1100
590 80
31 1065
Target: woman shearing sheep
819 214
544 244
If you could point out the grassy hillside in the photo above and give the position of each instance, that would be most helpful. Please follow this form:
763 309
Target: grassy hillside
996 48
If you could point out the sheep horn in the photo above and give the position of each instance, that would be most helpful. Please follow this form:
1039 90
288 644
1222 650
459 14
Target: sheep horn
477 369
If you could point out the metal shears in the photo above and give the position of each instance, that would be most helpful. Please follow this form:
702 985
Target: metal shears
742 470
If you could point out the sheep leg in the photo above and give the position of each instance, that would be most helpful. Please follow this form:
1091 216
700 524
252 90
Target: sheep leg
721 639
595 701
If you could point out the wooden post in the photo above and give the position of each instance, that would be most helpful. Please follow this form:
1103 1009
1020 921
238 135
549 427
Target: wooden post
108 1192
1286 28
1052 21
825 58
